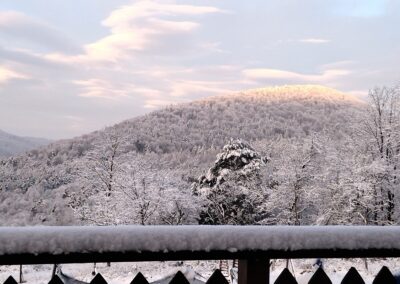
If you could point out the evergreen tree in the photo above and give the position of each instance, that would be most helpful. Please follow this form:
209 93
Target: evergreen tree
232 188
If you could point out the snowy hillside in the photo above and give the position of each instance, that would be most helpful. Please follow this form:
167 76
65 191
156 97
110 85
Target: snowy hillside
12 144
165 151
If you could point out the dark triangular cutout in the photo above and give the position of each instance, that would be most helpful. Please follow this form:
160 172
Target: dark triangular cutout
139 279
285 278
217 278
98 279
352 277
56 280
320 277
384 277
10 280
179 278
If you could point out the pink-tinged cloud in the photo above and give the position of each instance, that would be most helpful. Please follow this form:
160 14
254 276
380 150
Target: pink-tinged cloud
135 27
11 18
124 16
179 91
96 88
324 77
184 88
7 74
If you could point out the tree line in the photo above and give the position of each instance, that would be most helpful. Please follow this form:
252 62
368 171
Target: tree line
343 171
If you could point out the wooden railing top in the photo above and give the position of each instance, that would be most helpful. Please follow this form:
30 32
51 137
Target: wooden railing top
34 245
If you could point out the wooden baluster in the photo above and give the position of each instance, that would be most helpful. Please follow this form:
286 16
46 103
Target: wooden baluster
10 280
352 277
320 277
217 278
224 267
139 279
285 278
384 277
253 271
179 278
21 276
98 279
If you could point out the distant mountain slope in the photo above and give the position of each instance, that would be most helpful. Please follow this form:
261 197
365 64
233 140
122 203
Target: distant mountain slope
170 147
11 144
187 136
287 111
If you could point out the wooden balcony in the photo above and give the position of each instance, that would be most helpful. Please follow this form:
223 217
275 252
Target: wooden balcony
253 246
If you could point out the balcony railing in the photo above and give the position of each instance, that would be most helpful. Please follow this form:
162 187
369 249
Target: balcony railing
254 246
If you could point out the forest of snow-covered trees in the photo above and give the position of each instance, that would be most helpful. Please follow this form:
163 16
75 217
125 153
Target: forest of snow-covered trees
297 155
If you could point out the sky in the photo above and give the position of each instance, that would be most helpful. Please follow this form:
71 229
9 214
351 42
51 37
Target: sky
72 67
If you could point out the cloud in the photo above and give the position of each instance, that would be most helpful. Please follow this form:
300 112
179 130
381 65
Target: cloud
135 27
126 15
26 29
7 74
97 88
178 91
139 64
213 47
147 54
182 88
324 77
115 90
315 40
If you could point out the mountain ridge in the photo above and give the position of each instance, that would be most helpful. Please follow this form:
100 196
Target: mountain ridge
200 126
173 146
311 90
278 93
11 144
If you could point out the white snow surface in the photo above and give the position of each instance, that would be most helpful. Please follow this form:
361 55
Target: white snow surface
64 240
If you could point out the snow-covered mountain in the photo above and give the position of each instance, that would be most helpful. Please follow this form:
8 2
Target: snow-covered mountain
174 145
12 145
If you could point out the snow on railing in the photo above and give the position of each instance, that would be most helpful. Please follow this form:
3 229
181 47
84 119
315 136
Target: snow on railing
252 245
279 241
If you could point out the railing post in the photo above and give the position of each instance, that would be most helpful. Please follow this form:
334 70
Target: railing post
253 271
